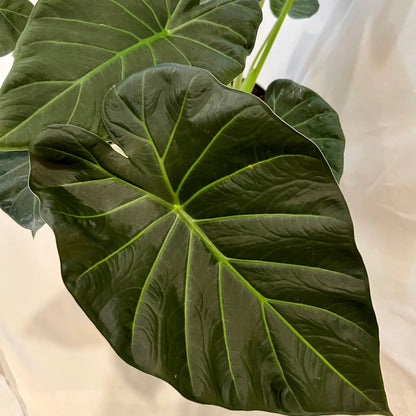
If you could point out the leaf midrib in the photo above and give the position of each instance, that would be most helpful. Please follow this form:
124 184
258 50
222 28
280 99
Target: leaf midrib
264 302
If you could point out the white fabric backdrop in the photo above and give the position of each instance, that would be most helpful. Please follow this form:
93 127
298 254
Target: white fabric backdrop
361 57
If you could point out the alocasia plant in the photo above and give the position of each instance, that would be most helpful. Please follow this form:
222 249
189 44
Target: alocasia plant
208 241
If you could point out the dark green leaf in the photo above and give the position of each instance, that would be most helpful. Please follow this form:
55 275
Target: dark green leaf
16 199
300 9
219 254
73 51
308 113
13 18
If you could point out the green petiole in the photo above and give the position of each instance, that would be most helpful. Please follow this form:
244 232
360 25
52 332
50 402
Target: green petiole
257 65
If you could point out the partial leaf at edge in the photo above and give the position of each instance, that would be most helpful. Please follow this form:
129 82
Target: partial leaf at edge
72 52
16 199
13 18
312 116
300 9
219 255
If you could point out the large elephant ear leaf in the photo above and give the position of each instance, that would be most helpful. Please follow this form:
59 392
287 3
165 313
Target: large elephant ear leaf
13 18
217 253
72 52
300 9
312 116
16 199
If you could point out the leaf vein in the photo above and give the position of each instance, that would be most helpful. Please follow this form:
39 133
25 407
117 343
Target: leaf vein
103 214
251 166
101 25
207 47
276 358
130 242
225 329
295 107
206 149
127 11
320 356
149 275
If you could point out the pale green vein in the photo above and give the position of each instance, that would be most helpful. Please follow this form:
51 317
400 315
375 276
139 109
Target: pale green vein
152 53
173 46
153 13
301 104
67 43
3 10
218 7
16 197
267 215
35 211
276 358
207 47
171 15
276 99
309 120
67 185
130 242
10 23
100 25
122 69
99 167
186 300
245 168
168 12
149 276
227 349
127 11
95 161
209 22
317 308
103 214
76 104
153 144
16 168
321 357
297 266
209 145
178 120
21 87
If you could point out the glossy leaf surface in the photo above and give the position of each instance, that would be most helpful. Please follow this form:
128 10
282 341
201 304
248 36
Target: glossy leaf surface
16 199
312 116
72 52
300 9
13 18
218 255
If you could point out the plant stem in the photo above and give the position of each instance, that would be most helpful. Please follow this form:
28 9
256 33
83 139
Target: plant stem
262 54
237 82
